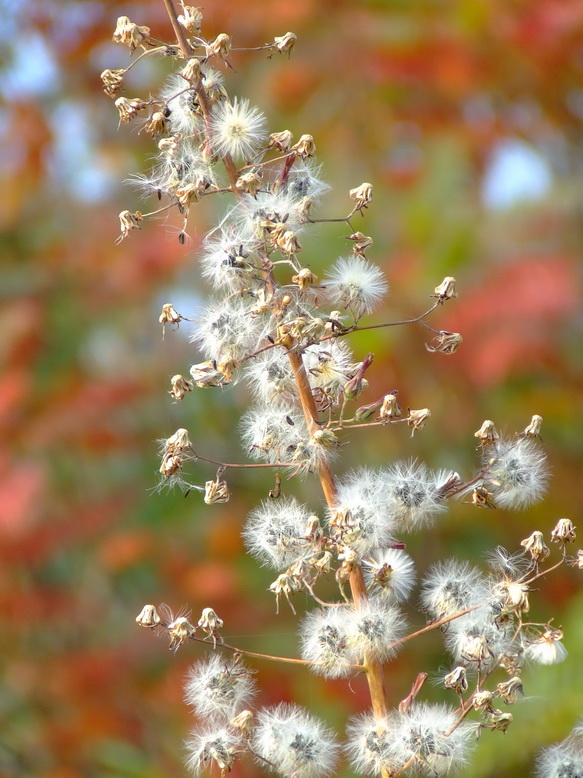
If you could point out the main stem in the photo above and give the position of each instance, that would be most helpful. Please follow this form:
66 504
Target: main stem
373 669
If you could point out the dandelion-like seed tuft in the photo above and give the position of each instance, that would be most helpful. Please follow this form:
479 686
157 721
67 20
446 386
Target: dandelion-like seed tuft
237 129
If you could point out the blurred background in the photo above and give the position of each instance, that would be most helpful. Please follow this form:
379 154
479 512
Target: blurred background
467 116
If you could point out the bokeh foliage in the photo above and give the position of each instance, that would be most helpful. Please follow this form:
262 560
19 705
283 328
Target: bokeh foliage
417 97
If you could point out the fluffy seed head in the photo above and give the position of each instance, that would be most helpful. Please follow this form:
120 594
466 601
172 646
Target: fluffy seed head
237 129
517 472
356 285
370 745
389 574
326 642
412 494
218 688
564 759
372 628
359 518
220 744
278 533
296 743
452 586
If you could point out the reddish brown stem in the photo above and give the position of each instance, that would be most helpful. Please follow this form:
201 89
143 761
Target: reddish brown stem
373 669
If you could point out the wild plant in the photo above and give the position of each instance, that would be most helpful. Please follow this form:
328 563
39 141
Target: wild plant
273 325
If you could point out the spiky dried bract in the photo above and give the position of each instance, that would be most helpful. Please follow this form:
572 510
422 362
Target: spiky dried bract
516 472
359 518
278 533
295 743
356 285
237 129
326 642
219 744
219 689
412 494
452 586
372 629
564 759
389 574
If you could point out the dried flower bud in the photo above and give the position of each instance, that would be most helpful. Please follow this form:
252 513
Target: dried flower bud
362 195
112 81
280 140
305 147
303 209
325 438
180 630
207 374
533 429
510 690
499 720
191 19
487 434
179 387
288 242
390 409
416 419
216 492
129 107
323 563
210 623
355 386
536 547
130 34
477 650
285 584
366 412
305 278
192 71
221 45
578 561
360 243
564 532
170 146
169 316
171 464
129 221
148 616
243 722
483 700
187 194
446 289
179 442
285 43
156 124
456 680
445 342
250 182
482 498
515 597
334 323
